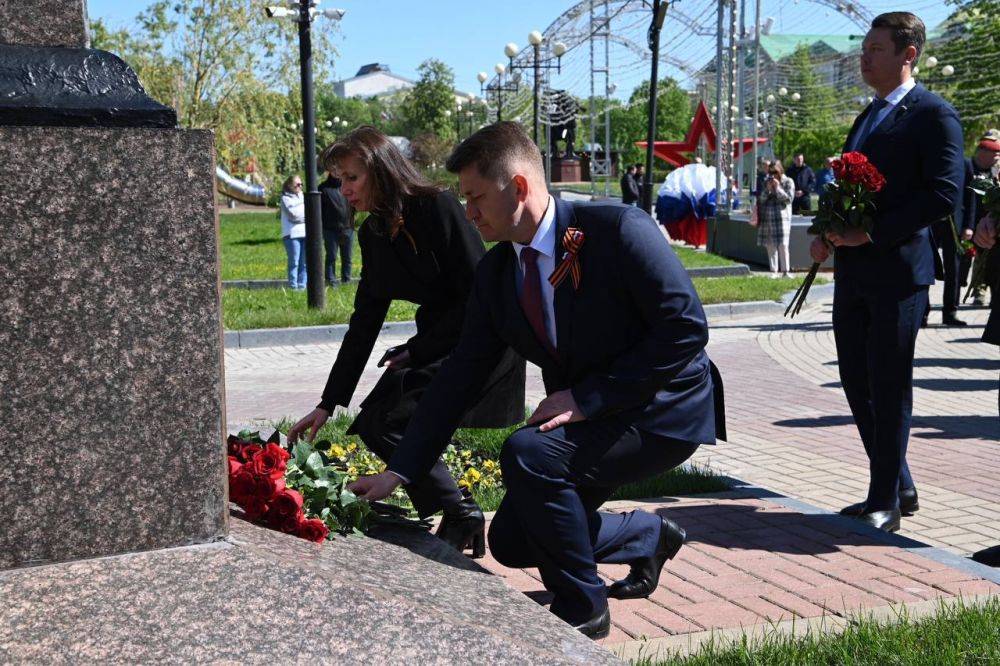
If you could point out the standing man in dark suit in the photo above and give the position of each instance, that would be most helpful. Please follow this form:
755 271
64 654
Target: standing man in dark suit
592 294
630 190
914 138
338 229
805 182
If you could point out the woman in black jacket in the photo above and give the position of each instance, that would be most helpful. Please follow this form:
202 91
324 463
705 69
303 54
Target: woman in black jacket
416 246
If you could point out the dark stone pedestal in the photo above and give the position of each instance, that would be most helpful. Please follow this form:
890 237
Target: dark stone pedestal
264 597
111 363
566 170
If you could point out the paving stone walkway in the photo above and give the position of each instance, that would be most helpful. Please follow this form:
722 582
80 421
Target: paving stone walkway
771 552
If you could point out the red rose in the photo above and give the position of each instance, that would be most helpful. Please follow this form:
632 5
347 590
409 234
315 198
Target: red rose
241 485
234 447
255 508
853 175
854 159
287 524
287 503
266 487
234 466
271 461
838 169
313 529
250 451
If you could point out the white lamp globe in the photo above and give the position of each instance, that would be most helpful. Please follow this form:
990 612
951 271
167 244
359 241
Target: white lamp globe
770 99
931 62
947 70
796 97
510 50
343 123
482 76
499 68
534 38
559 49
782 91
329 123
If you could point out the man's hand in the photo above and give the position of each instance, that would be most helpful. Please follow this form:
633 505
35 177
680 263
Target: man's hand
556 410
798 194
850 238
818 250
400 360
967 234
312 421
986 233
374 488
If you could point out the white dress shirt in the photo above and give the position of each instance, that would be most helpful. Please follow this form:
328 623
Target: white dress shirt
545 242
891 101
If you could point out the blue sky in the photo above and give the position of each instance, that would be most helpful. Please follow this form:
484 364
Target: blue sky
469 35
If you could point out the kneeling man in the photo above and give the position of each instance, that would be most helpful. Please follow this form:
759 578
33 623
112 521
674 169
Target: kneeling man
593 295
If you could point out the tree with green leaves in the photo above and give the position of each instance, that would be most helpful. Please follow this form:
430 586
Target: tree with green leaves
809 125
428 104
629 122
971 45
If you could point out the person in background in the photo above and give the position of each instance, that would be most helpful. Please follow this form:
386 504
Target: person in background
640 179
630 191
293 231
774 218
338 229
415 246
824 175
805 183
986 237
985 163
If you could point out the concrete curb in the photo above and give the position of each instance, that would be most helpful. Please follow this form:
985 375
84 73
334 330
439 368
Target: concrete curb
310 335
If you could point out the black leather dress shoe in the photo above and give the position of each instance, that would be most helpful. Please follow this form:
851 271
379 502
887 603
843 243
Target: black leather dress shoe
952 320
887 521
988 556
909 504
463 526
645 573
596 627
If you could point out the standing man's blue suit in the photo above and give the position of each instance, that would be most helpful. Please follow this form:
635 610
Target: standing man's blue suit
631 347
881 287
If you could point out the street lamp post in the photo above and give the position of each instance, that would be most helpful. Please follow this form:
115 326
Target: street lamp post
304 12
659 14
500 87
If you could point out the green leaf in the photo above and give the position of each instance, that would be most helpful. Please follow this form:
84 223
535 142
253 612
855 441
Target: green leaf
314 464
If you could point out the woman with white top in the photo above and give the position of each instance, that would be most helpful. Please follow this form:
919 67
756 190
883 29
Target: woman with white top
293 231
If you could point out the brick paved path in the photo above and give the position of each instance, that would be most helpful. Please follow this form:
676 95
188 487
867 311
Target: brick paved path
756 556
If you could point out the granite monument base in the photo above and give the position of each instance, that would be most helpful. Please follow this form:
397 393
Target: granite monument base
111 384
264 597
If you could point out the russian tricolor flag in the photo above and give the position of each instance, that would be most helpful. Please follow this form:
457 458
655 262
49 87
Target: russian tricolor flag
685 202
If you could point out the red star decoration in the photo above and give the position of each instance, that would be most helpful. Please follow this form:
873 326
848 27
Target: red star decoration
701 126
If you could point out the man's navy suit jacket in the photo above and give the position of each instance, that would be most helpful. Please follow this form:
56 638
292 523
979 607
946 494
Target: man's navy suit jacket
918 148
631 339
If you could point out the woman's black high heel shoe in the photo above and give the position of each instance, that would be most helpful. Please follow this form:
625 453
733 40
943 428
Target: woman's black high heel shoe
463 526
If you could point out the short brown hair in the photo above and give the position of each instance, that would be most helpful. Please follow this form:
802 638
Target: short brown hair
907 30
495 151
392 176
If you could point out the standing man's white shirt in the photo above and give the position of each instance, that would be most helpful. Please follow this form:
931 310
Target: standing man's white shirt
893 99
545 242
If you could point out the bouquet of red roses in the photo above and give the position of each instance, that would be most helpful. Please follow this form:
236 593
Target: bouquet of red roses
989 191
298 493
847 202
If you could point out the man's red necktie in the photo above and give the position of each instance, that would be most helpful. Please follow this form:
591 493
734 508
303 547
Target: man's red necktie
531 298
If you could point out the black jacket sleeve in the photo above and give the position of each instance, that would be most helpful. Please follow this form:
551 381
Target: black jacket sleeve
941 155
363 329
458 249
454 388
667 302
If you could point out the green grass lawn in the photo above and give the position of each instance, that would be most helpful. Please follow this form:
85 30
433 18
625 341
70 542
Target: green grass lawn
244 309
252 249
685 480
956 635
